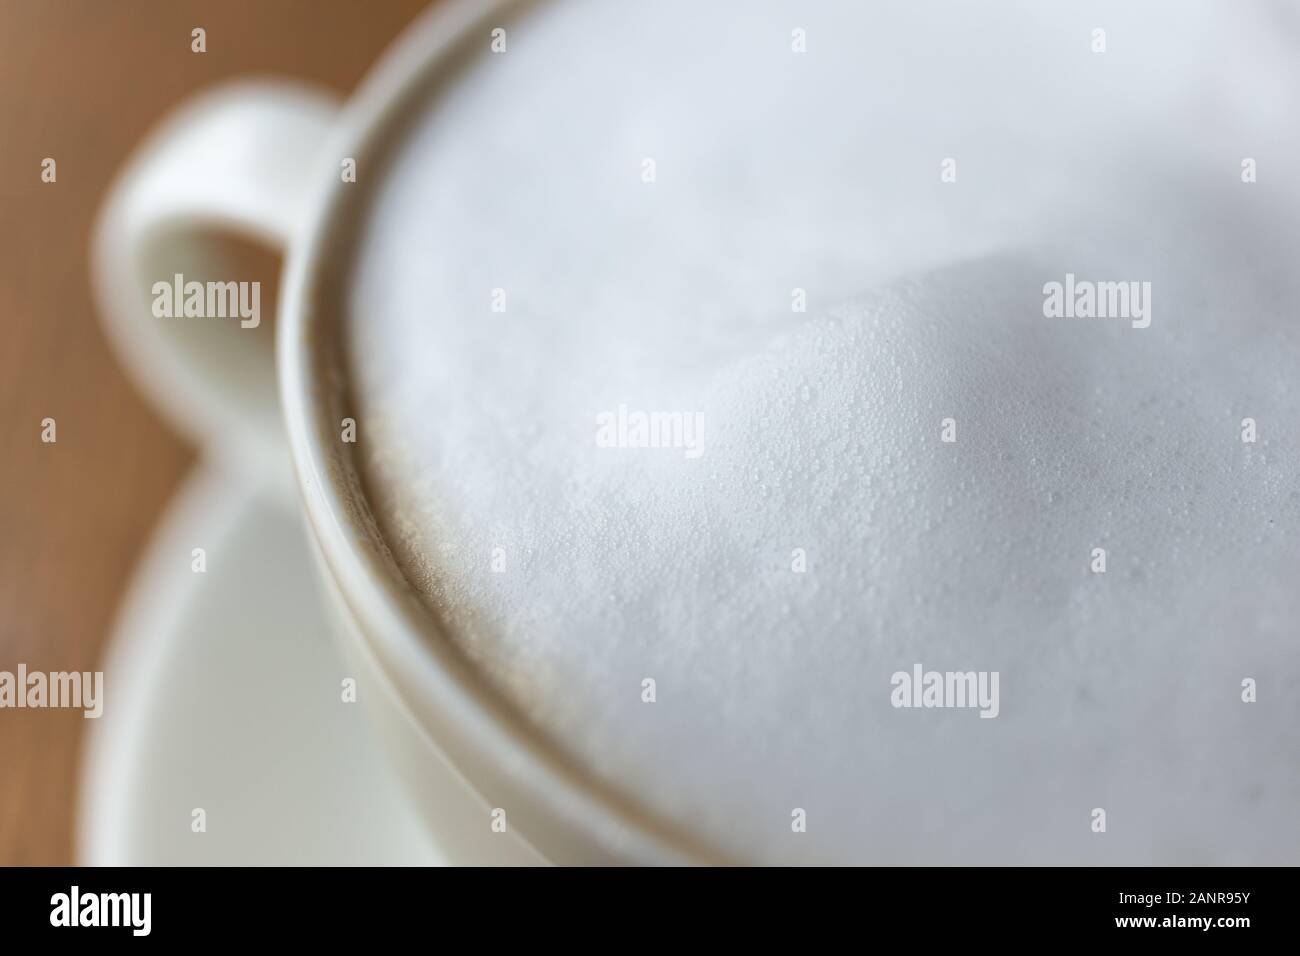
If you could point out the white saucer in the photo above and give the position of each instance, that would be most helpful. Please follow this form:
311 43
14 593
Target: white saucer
223 692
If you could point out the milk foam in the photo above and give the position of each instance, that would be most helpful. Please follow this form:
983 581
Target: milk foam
570 572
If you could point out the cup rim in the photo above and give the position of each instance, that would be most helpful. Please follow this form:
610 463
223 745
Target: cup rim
565 814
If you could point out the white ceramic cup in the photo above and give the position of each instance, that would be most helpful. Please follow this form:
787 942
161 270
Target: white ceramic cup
262 159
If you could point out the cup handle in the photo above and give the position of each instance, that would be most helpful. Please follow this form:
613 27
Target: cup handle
235 161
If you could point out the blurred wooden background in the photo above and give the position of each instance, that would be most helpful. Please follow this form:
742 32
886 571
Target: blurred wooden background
81 81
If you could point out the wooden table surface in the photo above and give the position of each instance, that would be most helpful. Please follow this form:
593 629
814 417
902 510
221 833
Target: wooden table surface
81 81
